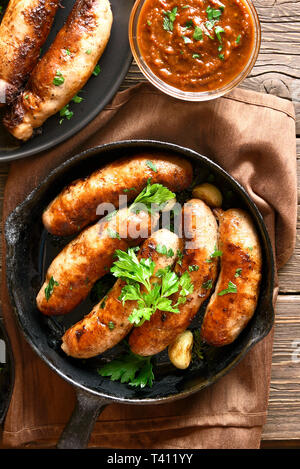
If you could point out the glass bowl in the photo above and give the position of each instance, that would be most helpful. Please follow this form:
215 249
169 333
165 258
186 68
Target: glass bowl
191 95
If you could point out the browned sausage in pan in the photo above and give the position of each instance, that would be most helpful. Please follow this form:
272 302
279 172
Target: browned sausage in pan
235 298
108 322
88 257
76 205
200 232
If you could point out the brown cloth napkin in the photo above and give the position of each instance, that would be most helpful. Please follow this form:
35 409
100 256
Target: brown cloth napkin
250 135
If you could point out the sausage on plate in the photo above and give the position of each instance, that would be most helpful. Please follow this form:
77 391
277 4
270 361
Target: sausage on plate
201 238
76 205
23 31
107 324
235 298
88 257
64 69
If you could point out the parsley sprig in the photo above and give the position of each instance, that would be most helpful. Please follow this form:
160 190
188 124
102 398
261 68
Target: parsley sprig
169 18
50 287
149 295
130 368
152 197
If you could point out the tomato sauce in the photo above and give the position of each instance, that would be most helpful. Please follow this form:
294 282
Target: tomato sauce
196 45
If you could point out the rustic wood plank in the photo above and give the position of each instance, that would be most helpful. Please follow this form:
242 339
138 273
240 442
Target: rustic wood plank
283 421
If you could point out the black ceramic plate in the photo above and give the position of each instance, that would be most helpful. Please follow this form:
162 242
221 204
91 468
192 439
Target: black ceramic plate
99 90
30 250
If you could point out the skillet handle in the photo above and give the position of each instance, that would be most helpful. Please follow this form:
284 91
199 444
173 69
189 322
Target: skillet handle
78 430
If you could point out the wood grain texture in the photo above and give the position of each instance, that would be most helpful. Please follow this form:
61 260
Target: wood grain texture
277 71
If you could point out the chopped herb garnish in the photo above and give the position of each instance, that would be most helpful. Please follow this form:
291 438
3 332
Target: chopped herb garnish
193 268
169 18
207 285
238 39
250 248
151 165
68 52
220 48
179 257
149 23
196 56
65 112
111 325
198 35
97 70
232 288
129 189
216 253
131 369
218 31
88 52
221 56
213 13
162 249
58 79
113 234
50 287
186 40
238 273
185 6
77 99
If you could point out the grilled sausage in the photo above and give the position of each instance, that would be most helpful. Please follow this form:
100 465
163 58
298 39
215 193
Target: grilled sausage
200 232
88 257
108 323
77 204
23 31
64 69
228 313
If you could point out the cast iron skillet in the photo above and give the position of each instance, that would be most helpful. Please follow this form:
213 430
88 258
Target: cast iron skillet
30 250
98 91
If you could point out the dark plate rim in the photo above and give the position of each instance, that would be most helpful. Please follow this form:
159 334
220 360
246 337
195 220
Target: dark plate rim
166 146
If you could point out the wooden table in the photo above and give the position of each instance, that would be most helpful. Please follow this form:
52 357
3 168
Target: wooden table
277 71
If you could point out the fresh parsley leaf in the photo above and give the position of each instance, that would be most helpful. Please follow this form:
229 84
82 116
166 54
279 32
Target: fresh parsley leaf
151 165
207 285
58 79
196 56
162 249
132 369
216 253
218 31
198 35
213 13
232 288
111 325
186 40
221 56
127 266
149 23
152 197
238 39
193 268
179 257
50 287
97 70
113 234
68 52
65 112
238 273
169 18
77 99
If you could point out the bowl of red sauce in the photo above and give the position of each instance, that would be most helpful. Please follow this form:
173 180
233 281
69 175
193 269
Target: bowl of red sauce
195 50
